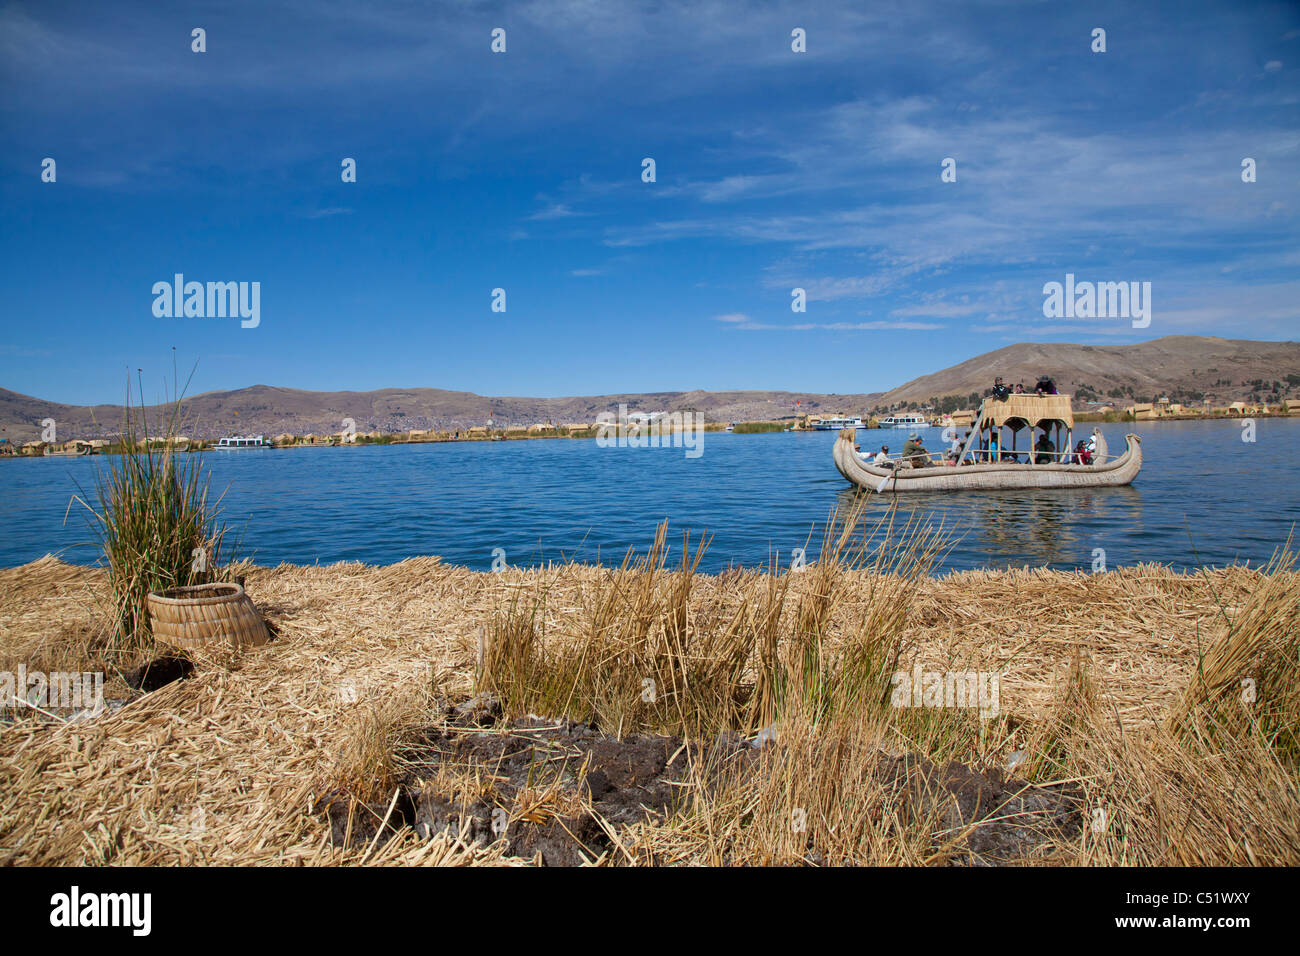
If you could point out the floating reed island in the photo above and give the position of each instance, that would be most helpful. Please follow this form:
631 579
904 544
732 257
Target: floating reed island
422 713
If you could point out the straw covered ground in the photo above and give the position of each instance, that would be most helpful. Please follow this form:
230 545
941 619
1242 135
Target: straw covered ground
1121 735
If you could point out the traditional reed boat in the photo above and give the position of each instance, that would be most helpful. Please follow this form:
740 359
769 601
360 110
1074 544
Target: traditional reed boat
72 449
985 465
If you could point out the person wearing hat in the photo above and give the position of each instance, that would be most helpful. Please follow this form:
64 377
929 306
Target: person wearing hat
914 452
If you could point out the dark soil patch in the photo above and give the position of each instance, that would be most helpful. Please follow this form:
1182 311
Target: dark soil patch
550 788
553 791
1007 820
353 823
159 672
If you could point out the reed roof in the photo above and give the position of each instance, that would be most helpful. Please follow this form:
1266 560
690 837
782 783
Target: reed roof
1020 410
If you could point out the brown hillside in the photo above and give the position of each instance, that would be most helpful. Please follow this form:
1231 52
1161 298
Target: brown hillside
1180 366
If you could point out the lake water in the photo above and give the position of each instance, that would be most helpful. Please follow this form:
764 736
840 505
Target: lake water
1204 497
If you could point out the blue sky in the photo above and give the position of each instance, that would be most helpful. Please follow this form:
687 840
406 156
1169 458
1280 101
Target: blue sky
522 171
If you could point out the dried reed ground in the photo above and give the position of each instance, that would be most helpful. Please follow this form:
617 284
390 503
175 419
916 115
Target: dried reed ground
226 767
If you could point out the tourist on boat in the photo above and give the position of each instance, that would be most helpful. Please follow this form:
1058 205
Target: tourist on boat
1000 391
995 447
1045 450
914 452
1020 388
1045 386
1082 454
882 456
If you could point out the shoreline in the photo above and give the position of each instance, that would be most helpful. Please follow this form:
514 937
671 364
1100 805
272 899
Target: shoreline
773 427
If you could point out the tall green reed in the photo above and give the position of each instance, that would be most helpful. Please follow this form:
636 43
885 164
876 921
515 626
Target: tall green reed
155 522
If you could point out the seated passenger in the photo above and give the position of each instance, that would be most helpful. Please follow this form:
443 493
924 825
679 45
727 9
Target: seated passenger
914 452
1045 450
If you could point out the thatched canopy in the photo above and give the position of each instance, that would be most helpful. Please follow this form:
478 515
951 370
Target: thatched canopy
1017 411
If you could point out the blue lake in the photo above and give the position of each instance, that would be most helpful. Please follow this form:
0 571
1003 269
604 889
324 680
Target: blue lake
1204 497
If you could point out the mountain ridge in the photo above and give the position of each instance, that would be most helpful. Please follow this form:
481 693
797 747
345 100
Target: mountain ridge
1181 367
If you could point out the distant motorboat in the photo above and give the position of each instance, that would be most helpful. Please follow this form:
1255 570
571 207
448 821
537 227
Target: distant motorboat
235 442
835 424
904 421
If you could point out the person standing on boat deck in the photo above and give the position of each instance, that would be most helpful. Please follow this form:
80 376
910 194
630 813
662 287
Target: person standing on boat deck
1044 449
995 447
1045 386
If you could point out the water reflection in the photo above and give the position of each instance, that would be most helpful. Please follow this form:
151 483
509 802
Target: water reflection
1014 528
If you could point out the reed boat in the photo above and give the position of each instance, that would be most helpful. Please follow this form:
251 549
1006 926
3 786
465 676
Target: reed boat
78 450
985 463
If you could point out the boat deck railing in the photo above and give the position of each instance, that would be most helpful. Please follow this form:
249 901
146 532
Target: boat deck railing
985 457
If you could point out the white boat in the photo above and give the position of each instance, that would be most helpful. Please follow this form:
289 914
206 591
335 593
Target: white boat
834 424
912 421
242 441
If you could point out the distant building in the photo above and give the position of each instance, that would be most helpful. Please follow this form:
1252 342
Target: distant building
964 418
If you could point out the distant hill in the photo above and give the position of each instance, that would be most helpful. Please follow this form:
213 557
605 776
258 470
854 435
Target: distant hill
265 409
1183 367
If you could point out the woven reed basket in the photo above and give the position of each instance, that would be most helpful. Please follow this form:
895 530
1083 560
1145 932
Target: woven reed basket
201 615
